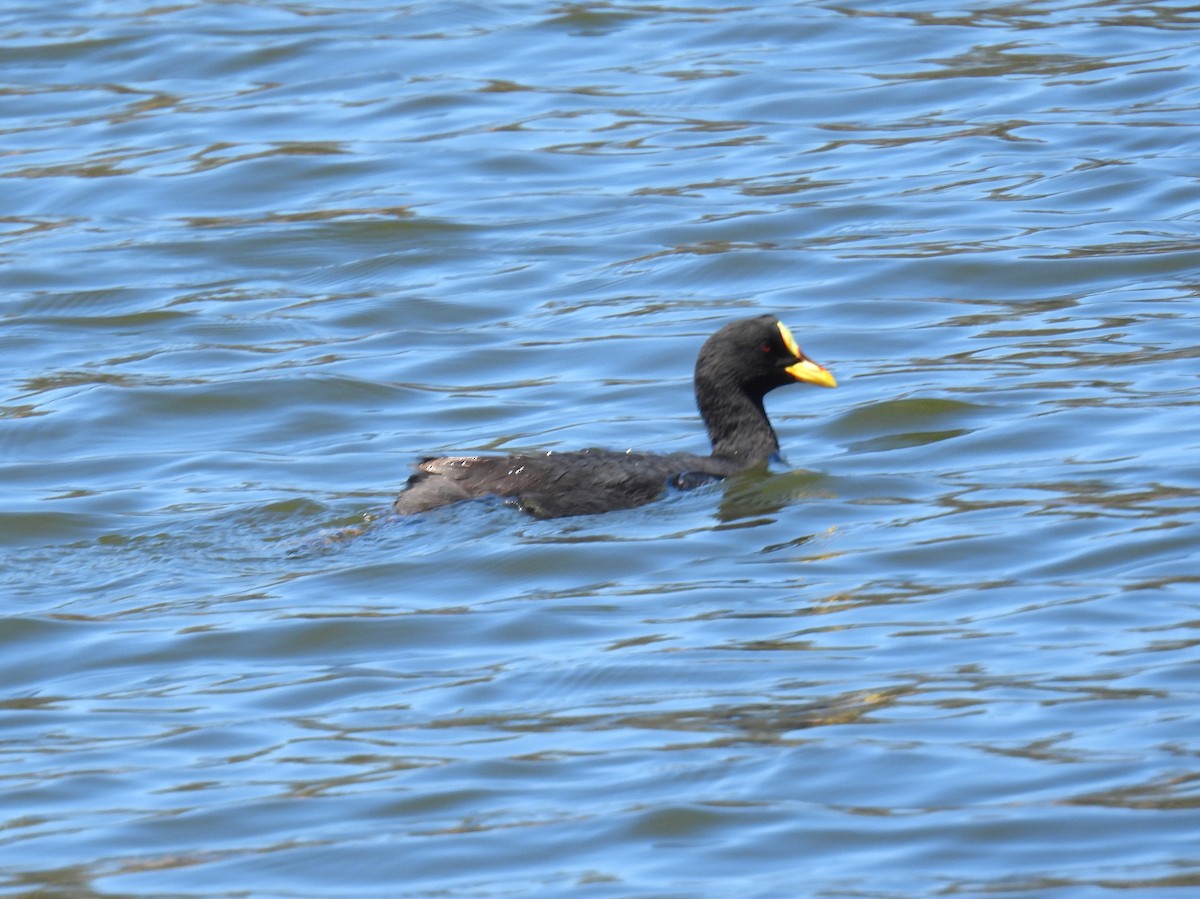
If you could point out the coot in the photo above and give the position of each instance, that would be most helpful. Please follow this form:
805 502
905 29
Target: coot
736 368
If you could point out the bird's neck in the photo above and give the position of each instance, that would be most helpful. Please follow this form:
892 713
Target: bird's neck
737 424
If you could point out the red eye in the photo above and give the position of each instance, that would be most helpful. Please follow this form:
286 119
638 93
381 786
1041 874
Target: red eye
767 348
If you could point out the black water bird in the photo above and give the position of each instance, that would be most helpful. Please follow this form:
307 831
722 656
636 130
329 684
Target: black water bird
736 368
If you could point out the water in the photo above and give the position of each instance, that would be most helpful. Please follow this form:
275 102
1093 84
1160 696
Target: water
258 257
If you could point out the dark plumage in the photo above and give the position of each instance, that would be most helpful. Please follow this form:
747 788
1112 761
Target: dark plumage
736 368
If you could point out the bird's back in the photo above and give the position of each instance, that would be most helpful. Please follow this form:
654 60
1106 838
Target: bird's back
552 485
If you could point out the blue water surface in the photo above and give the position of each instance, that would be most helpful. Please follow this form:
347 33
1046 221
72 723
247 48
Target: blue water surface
258 257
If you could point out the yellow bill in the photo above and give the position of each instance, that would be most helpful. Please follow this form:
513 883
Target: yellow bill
805 369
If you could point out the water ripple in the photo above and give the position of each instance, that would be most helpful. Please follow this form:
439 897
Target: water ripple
260 257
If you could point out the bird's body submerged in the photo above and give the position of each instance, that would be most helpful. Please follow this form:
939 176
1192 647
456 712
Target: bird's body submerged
552 485
736 367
